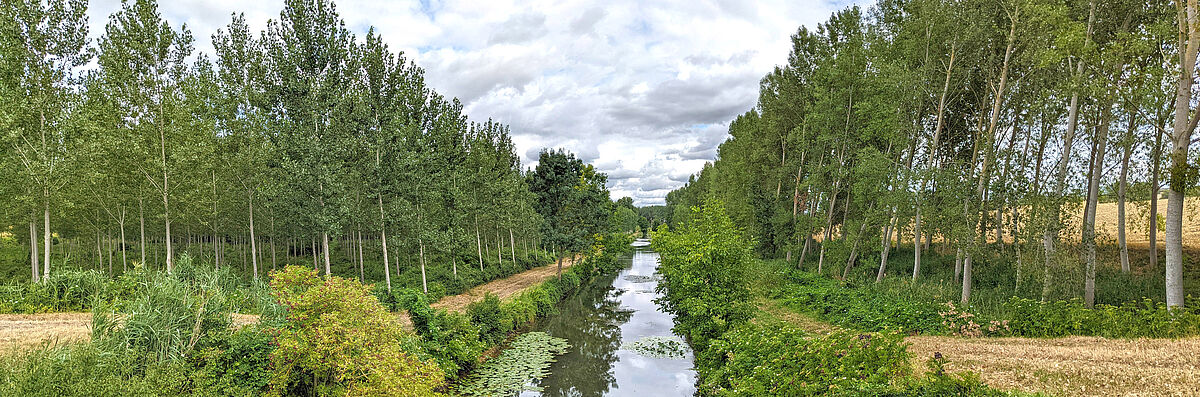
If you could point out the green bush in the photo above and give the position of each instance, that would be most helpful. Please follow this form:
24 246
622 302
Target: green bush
450 338
168 321
339 340
237 363
780 360
858 308
702 268
1146 319
493 323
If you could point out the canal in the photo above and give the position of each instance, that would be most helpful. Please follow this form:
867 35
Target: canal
603 323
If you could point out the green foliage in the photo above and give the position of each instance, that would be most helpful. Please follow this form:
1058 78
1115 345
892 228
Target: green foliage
572 199
340 340
234 364
88 370
858 308
168 320
905 307
79 290
776 359
1145 319
702 268
494 324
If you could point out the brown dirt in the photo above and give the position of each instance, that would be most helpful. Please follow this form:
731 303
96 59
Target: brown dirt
502 288
28 331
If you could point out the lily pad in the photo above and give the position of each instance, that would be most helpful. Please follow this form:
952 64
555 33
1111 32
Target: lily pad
527 359
637 278
659 347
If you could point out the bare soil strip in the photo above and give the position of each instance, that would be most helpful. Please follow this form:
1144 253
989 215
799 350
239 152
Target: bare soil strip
23 332
1071 366
502 288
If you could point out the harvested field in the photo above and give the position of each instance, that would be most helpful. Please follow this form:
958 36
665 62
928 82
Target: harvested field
1073 366
27 331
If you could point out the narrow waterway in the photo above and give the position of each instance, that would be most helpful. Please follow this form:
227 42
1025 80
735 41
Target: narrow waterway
614 311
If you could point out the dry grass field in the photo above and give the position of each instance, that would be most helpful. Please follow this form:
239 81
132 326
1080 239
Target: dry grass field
1137 222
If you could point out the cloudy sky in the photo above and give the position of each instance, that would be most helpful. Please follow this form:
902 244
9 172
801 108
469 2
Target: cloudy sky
644 90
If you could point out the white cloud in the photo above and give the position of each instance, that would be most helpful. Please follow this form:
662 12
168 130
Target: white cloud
645 90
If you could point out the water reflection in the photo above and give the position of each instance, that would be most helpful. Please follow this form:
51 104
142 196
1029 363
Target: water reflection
613 310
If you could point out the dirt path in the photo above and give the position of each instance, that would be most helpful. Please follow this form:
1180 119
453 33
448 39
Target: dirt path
1072 366
502 288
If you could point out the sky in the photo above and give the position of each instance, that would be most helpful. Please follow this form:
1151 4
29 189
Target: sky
645 90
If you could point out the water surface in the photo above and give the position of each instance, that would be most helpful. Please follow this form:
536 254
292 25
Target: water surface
613 310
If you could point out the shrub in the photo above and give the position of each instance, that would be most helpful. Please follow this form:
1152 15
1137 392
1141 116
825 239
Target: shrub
493 324
340 340
777 359
860 308
702 268
449 337
236 364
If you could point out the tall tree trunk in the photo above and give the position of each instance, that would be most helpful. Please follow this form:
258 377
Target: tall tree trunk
512 246
828 230
887 245
1188 18
478 243
937 131
1089 224
124 257
421 246
142 226
165 194
325 252
1155 160
1121 189
989 157
33 251
253 242
387 274
46 236
1051 233
359 245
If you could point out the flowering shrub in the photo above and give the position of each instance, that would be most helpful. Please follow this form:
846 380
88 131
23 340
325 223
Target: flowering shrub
338 340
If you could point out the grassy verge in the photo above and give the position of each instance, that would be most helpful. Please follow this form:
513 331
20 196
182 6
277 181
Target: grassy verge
926 308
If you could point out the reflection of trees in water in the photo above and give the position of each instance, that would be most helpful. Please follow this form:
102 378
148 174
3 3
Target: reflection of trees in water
591 321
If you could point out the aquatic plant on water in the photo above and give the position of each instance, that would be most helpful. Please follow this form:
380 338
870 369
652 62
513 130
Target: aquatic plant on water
659 347
637 278
526 359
